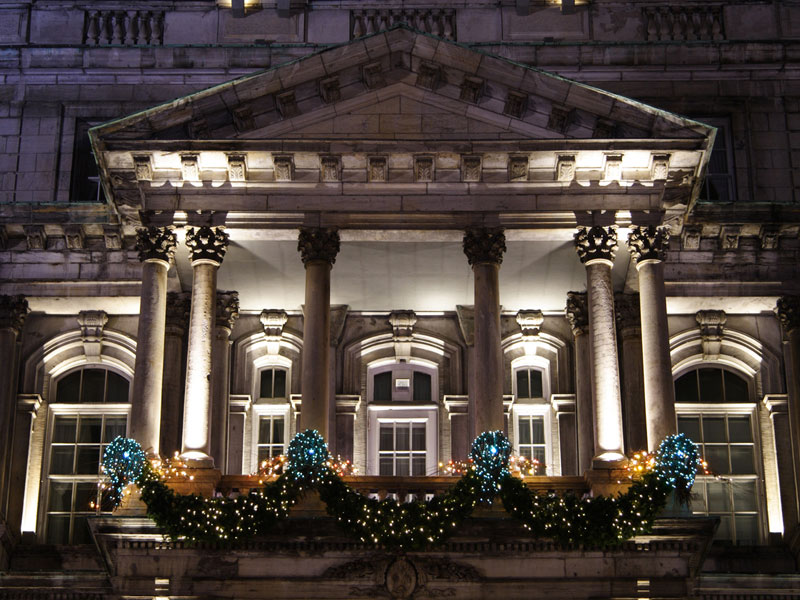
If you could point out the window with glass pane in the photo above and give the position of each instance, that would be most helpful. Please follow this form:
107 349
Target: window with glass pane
401 448
422 387
711 385
273 383
92 385
727 444
76 450
530 430
718 185
382 387
529 383
271 436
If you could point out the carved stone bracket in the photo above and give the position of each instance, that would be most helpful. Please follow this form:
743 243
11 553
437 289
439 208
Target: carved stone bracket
207 243
577 312
530 322
155 243
712 328
627 311
273 322
179 305
648 242
402 322
227 309
13 310
788 312
318 244
596 243
484 245
92 323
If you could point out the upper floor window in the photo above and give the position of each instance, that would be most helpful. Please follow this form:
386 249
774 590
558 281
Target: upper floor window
402 383
85 185
711 385
92 385
719 182
530 383
273 383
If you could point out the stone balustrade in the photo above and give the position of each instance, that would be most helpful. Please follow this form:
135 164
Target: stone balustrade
683 23
436 21
124 28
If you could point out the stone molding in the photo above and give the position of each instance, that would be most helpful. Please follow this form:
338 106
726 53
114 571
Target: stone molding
712 328
648 242
628 312
577 312
484 245
156 243
13 310
227 309
530 322
318 244
207 243
596 243
788 312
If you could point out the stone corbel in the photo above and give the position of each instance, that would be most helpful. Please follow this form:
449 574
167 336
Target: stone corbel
712 326
273 322
92 323
402 322
530 322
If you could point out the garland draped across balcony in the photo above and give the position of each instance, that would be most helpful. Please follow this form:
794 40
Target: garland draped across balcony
568 520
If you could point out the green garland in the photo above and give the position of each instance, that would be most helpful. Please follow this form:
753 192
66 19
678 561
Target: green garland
598 522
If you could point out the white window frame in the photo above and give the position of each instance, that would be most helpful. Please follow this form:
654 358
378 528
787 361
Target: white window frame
83 409
537 363
271 362
749 409
404 414
535 410
412 365
275 409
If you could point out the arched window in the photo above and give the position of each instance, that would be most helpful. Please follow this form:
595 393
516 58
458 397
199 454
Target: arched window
715 411
89 409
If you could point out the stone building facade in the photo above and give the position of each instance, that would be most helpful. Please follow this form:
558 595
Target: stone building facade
401 224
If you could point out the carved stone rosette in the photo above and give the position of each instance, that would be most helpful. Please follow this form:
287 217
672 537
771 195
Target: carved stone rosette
596 243
318 244
484 245
227 309
627 311
207 243
13 310
648 243
155 243
788 312
577 312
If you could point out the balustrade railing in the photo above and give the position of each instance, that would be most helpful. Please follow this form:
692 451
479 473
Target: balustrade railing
437 21
683 23
124 28
406 489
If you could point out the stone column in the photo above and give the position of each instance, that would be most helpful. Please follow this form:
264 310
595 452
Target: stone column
318 248
27 409
227 313
484 248
578 316
156 246
648 247
629 323
596 247
788 312
777 405
178 307
13 310
207 246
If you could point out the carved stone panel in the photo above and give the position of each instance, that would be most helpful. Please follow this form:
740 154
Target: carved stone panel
518 168
330 168
470 168
565 168
284 167
237 170
712 328
423 169
376 171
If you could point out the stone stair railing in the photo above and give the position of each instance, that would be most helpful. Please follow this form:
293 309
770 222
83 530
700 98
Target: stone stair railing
124 28
440 22
683 23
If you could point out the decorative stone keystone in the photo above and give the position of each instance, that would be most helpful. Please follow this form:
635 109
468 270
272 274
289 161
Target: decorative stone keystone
712 328
207 244
92 323
577 312
648 243
788 312
316 244
273 322
530 322
227 309
596 243
402 322
155 243
13 310
484 245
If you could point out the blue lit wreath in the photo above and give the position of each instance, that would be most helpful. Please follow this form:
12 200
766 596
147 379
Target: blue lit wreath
123 462
490 454
308 454
677 462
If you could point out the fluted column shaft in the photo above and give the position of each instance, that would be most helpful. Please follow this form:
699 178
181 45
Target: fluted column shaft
156 247
596 248
648 246
318 248
484 248
227 312
578 317
208 247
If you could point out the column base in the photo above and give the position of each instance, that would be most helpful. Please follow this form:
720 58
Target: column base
607 478
200 481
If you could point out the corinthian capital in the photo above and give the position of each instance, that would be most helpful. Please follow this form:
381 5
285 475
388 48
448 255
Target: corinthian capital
596 243
155 243
13 310
484 245
577 312
227 309
648 243
207 243
788 312
627 312
318 244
